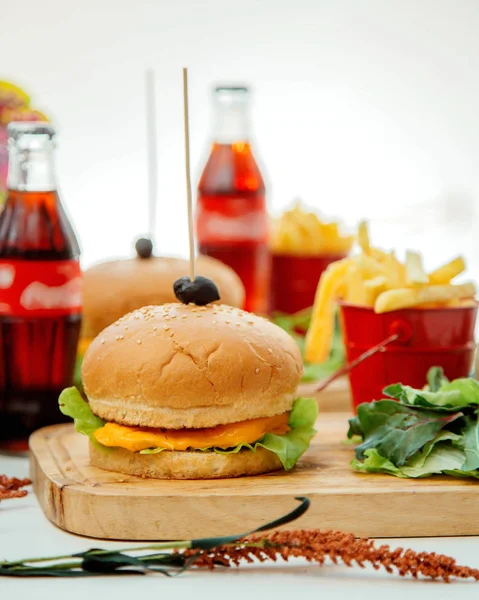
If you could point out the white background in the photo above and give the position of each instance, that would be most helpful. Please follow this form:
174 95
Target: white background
364 108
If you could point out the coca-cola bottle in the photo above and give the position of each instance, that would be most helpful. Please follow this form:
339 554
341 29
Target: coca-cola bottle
40 289
232 222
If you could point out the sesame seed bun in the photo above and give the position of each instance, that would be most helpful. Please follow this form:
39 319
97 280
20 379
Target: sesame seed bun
114 288
185 465
177 366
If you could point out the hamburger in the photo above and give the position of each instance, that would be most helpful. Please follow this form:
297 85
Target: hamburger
192 392
114 288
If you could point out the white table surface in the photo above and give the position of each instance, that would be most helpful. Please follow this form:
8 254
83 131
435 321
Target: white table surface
25 531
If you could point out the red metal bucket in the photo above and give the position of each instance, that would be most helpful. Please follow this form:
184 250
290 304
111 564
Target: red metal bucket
294 280
427 337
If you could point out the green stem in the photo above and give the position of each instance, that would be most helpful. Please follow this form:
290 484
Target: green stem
185 544
34 560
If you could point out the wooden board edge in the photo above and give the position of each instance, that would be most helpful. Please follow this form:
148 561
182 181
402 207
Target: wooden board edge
368 519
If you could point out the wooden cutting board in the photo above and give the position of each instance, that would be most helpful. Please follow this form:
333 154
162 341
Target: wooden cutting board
89 501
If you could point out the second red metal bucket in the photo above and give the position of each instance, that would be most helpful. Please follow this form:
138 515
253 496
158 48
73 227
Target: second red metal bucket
427 337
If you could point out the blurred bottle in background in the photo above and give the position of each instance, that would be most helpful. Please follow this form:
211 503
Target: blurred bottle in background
14 106
232 220
40 289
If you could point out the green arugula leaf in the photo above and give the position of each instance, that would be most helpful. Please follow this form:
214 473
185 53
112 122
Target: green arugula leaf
395 430
73 405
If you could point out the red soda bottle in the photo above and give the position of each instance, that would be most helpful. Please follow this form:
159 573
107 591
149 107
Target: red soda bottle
40 289
232 222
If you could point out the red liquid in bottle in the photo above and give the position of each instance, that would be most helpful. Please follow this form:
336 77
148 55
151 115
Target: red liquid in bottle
232 222
40 303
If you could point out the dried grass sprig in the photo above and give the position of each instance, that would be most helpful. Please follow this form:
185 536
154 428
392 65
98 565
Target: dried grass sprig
10 487
316 546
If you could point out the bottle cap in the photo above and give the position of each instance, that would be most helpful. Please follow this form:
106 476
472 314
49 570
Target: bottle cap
231 88
18 128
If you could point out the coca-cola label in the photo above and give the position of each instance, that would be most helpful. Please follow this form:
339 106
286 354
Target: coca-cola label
40 288
217 227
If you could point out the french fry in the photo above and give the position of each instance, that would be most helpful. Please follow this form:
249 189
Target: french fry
448 271
378 254
320 332
374 287
363 237
354 286
303 233
396 271
369 267
415 273
408 297
378 279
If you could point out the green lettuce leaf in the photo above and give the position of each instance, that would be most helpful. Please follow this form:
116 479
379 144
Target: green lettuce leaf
440 455
375 463
467 388
73 405
442 393
395 430
435 378
470 435
461 473
447 399
288 447
77 380
429 431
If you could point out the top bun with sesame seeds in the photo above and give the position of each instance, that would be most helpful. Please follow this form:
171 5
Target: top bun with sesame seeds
113 288
185 366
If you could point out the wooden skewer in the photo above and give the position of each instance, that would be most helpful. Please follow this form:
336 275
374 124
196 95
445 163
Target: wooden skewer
152 151
188 175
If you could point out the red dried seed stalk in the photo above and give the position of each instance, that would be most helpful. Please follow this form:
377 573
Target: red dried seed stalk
315 546
10 487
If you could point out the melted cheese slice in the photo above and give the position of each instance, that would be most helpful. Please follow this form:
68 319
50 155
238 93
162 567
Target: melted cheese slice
221 436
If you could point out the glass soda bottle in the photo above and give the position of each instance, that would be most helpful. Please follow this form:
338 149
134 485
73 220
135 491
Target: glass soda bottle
232 221
40 289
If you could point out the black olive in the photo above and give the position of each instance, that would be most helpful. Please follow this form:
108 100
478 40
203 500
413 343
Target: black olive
144 247
201 291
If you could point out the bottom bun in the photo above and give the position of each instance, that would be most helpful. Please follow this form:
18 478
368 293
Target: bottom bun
185 465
